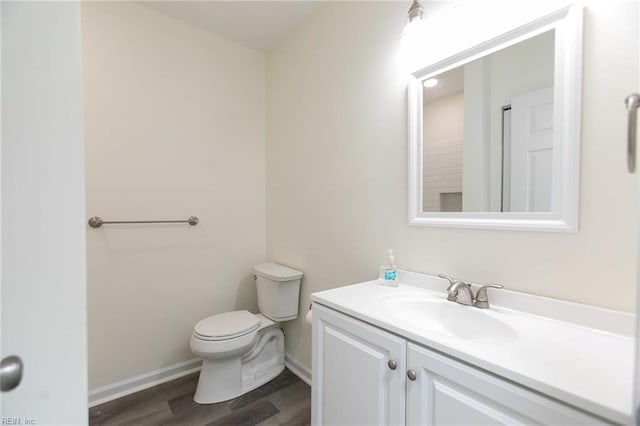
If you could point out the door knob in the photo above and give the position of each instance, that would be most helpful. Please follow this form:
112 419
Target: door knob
10 373
392 364
411 375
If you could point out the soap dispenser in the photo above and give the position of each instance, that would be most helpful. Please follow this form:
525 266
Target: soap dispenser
390 271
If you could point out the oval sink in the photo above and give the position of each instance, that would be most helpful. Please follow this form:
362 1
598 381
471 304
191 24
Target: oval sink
453 319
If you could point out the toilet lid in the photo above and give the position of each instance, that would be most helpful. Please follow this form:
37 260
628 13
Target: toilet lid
227 325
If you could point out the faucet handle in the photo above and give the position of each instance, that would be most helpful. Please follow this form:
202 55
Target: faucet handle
451 280
482 300
452 295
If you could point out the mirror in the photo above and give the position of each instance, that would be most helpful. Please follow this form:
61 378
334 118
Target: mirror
487 132
494 131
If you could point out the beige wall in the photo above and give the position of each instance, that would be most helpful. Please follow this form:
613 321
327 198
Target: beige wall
475 166
175 126
337 168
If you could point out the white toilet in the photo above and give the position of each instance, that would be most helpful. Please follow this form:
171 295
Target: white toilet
241 350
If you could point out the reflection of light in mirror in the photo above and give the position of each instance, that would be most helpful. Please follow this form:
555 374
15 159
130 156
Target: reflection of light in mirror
432 82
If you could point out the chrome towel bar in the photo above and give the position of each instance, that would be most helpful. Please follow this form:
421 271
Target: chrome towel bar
97 222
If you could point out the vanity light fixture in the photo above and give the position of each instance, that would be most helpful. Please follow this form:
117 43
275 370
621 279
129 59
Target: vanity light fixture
431 82
410 37
415 11
415 17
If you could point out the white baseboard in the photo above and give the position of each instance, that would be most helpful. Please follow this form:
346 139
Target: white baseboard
298 369
125 387
119 389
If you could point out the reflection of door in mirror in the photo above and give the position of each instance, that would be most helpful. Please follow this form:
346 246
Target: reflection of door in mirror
470 162
530 162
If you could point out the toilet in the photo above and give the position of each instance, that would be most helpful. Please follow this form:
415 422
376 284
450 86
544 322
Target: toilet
240 350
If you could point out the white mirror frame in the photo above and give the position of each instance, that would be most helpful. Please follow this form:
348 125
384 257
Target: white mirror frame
483 35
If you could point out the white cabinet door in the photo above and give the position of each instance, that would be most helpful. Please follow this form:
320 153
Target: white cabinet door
353 383
447 392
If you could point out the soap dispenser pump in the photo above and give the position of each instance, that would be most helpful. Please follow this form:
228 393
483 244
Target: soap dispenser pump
390 271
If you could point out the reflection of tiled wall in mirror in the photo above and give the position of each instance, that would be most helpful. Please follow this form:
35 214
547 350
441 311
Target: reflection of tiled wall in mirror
442 149
451 201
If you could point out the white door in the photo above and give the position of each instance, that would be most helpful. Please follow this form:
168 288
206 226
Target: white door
358 372
43 291
636 387
532 151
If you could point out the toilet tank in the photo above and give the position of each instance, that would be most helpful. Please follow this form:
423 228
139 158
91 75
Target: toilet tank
278 291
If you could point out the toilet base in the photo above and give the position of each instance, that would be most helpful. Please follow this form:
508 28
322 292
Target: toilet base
224 379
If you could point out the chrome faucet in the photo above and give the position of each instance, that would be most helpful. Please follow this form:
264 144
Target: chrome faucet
461 292
455 286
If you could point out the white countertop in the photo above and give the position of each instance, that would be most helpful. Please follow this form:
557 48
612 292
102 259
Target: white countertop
579 354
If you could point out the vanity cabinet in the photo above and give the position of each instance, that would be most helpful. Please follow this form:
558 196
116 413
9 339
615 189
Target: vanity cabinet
368 376
358 372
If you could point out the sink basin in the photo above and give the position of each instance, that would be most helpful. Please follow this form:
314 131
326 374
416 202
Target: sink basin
453 319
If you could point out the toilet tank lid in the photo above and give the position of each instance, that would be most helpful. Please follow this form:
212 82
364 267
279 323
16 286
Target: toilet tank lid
276 272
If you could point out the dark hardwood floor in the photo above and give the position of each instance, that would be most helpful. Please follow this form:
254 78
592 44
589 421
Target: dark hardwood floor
286 400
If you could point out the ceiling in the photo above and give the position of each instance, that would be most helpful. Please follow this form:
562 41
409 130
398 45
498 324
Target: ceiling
259 25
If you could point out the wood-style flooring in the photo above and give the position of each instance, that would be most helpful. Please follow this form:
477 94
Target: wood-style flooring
286 400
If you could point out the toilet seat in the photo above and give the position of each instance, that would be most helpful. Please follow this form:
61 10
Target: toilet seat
225 326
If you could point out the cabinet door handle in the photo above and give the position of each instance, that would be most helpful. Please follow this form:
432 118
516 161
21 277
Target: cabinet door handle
392 364
411 375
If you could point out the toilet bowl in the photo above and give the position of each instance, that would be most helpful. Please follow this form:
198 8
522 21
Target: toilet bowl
241 350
